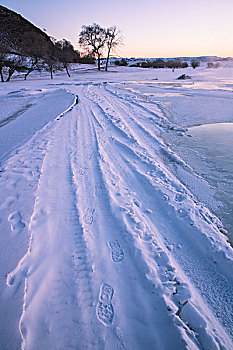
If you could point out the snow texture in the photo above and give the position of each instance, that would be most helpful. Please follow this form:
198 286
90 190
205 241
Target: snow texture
103 247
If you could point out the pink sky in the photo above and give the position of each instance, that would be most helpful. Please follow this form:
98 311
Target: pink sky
151 28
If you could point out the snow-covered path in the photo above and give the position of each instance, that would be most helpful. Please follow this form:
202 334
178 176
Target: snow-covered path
121 254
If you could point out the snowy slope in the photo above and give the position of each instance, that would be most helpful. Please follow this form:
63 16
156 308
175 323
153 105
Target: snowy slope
103 247
24 112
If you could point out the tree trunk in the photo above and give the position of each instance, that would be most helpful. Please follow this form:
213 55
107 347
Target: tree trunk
10 73
51 72
33 64
2 78
106 67
28 72
98 62
67 71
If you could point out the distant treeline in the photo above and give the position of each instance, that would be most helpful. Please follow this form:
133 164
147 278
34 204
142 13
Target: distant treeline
159 63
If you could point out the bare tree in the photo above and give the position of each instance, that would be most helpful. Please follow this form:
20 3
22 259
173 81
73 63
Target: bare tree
51 65
15 63
33 64
35 49
113 39
93 38
51 60
66 54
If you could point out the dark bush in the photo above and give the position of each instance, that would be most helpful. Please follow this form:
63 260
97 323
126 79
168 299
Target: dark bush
158 64
146 64
195 64
173 64
184 76
213 65
184 65
121 62
87 59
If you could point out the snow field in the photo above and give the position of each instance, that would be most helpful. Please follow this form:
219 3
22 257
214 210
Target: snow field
121 254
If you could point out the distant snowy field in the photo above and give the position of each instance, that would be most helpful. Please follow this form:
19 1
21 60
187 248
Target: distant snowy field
108 237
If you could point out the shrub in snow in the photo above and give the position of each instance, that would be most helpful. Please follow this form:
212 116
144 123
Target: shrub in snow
184 76
213 65
121 62
195 64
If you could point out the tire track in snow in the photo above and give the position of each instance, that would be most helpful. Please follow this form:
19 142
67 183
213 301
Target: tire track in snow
107 231
218 281
58 292
141 101
138 259
144 130
151 120
104 267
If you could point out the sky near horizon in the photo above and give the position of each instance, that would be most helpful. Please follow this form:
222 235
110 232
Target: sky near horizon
151 28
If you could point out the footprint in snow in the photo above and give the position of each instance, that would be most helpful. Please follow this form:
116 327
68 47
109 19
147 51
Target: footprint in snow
117 252
105 313
16 222
104 308
89 156
106 293
88 216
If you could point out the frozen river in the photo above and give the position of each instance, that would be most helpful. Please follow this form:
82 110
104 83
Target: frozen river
208 149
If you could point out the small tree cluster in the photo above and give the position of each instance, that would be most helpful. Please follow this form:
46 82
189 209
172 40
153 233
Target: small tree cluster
61 55
87 59
95 40
58 55
12 63
195 64
175 64
66 54
121 62
159 63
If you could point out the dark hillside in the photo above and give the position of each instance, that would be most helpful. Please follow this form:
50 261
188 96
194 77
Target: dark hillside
18 35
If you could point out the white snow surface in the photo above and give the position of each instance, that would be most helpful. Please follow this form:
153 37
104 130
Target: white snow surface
102 245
